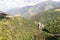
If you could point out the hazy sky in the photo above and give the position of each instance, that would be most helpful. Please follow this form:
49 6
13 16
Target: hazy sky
6 4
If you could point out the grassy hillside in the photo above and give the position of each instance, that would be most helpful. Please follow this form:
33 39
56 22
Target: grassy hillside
51 19
53 26
16 29
46 16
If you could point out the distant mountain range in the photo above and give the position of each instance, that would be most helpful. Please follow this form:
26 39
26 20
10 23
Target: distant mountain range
46 16
28 11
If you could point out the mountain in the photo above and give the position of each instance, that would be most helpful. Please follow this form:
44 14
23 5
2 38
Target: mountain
46 16
28 11
16 28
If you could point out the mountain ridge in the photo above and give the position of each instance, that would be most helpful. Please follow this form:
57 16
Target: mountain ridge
28 11
46 16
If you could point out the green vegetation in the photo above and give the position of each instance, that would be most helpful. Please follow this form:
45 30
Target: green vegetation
51 19
46 16
16 29
53 27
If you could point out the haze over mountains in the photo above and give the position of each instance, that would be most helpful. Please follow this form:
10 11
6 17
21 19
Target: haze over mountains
28 11
46 16
17 28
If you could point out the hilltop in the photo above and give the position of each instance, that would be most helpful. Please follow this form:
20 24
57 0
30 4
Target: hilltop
16 28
